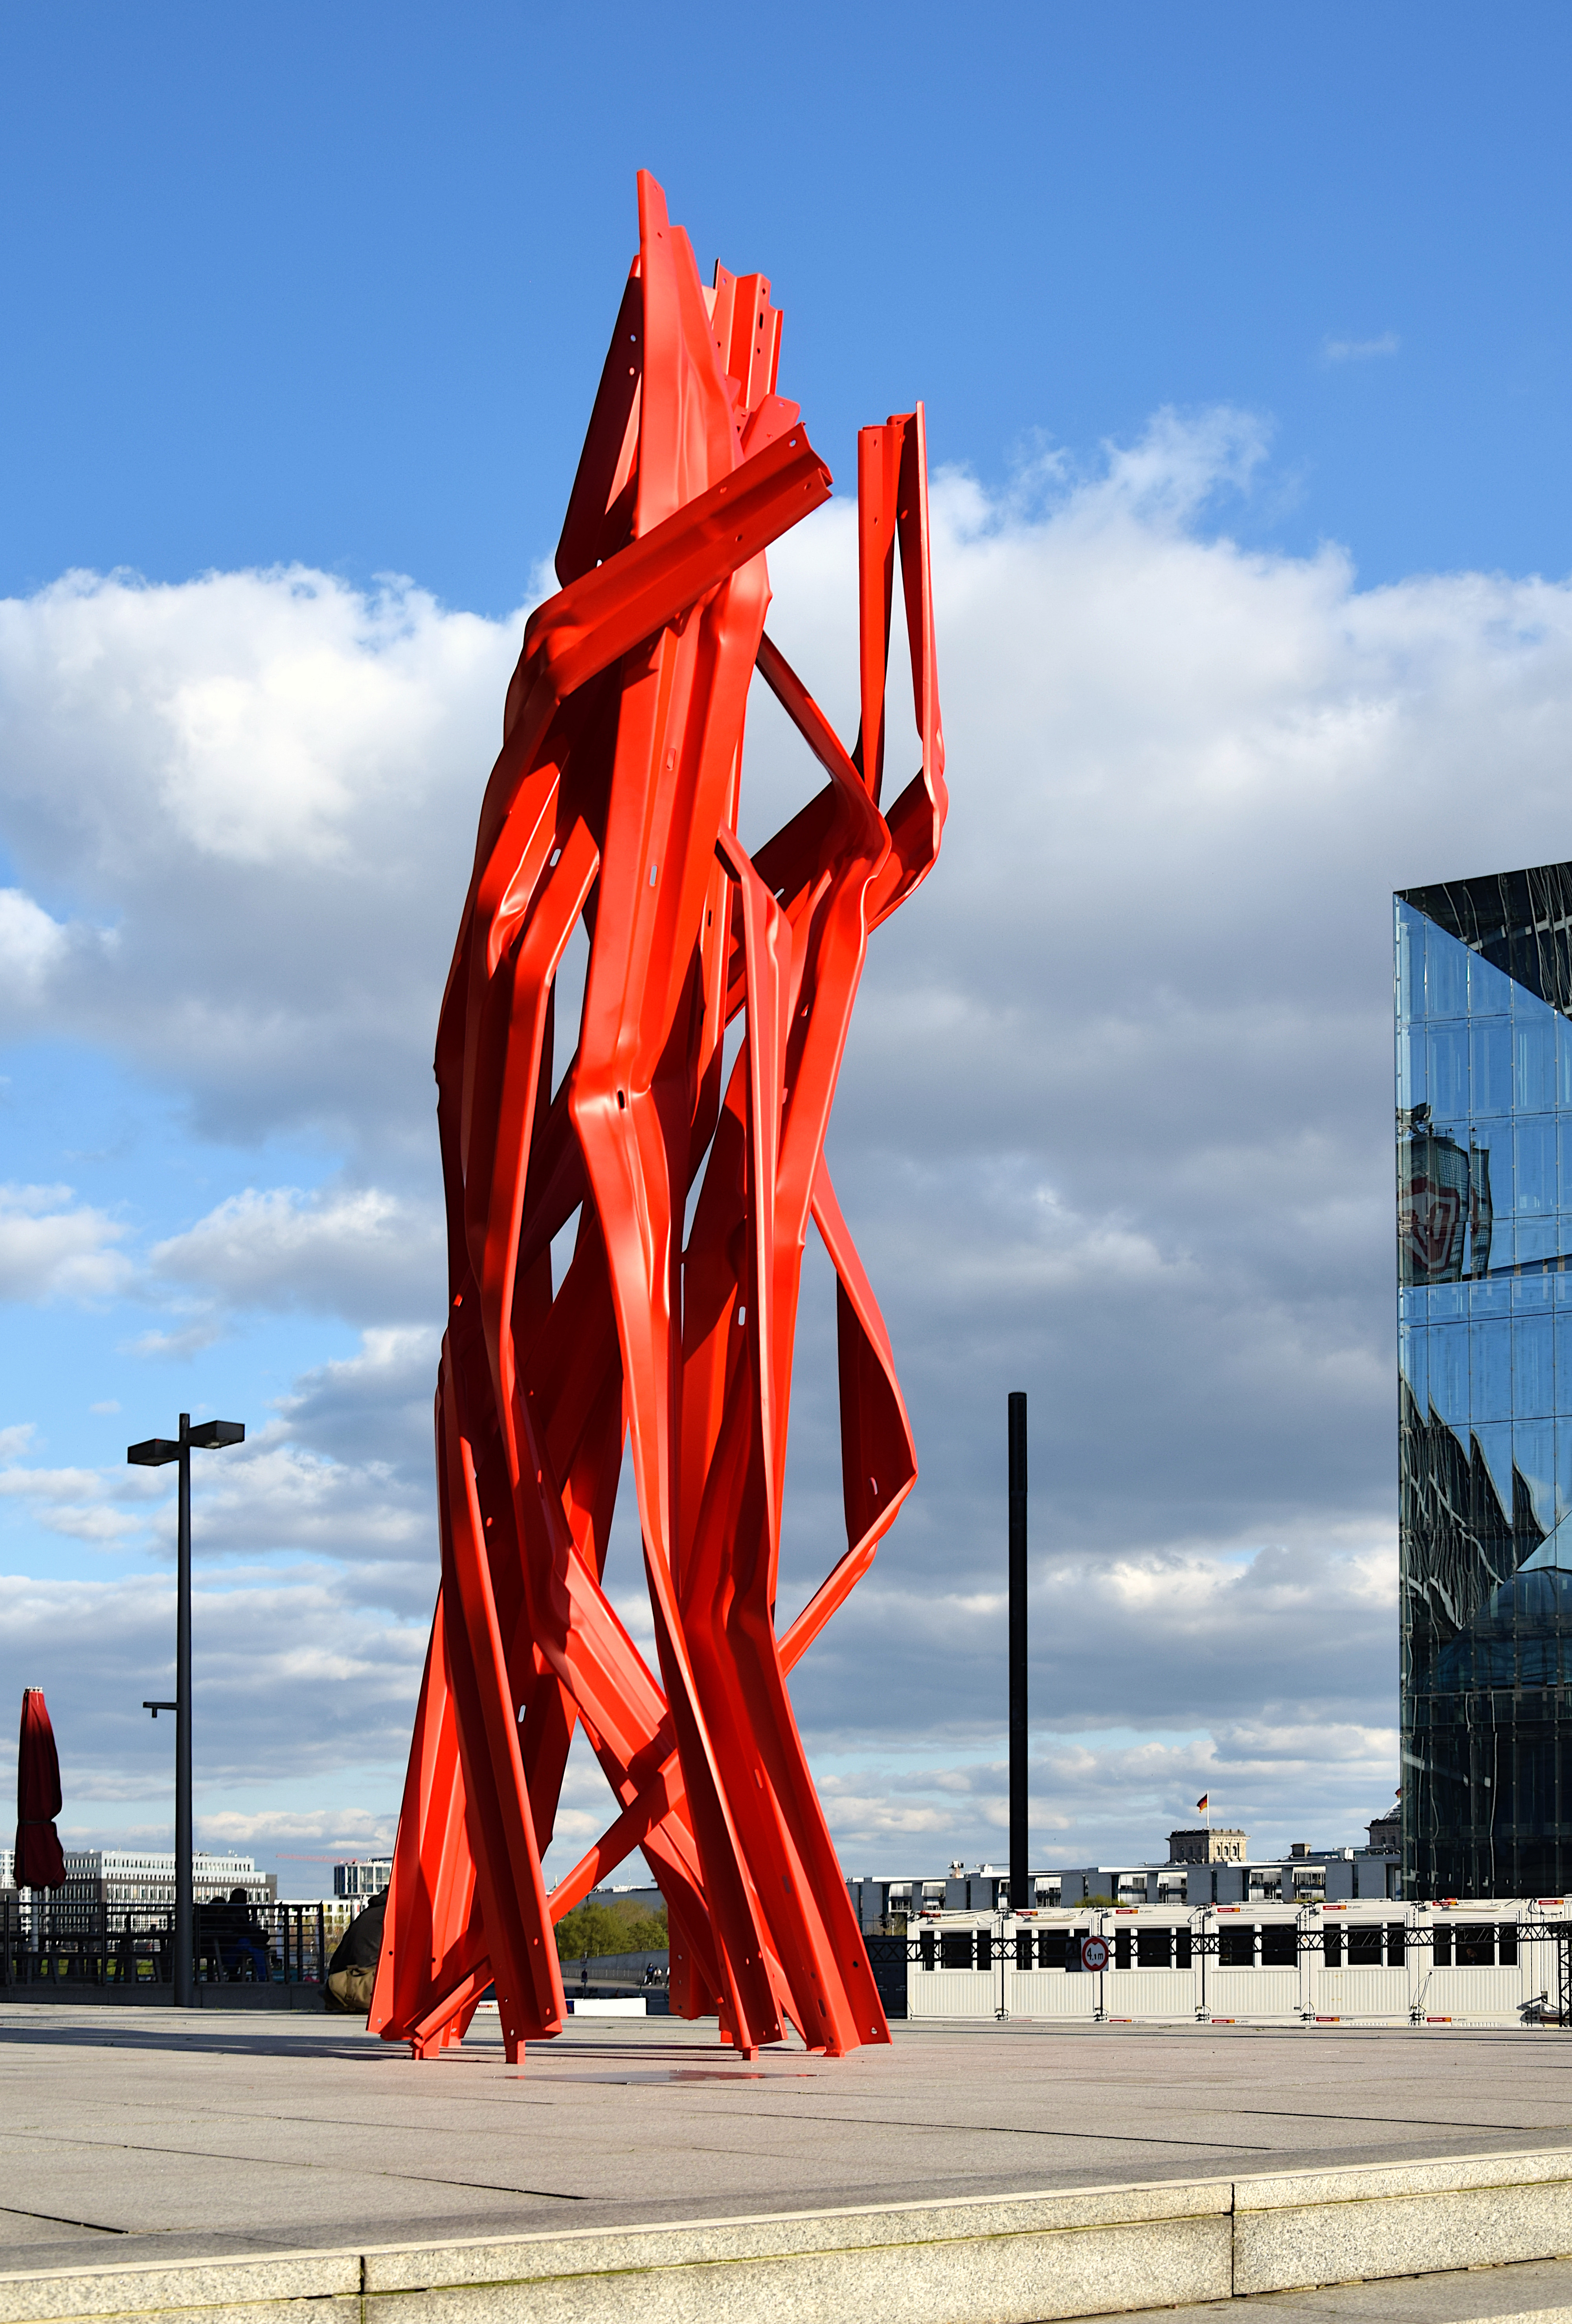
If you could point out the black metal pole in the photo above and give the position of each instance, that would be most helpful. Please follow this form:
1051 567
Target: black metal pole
185 1948
1021 1896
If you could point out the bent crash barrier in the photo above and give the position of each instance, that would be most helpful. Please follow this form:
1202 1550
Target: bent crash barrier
1077 2253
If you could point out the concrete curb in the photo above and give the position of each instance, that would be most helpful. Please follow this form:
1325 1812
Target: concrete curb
1020 2259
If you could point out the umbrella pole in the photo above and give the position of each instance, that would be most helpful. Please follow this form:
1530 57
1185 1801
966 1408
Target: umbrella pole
185 1965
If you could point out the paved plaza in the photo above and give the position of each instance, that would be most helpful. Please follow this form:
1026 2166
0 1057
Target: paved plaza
131 2135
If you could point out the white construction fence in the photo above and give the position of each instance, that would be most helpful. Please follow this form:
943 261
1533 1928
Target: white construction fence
1490 1962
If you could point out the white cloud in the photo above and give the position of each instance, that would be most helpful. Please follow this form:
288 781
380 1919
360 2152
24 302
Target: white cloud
361 1252
178 1346
1359 350
53 1247
294 1678
1114 1798
78 1504
31 945
372 1407
1113 1124
273 1495
266 782
348 1828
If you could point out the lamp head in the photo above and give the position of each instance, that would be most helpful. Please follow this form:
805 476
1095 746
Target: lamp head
152 1453
212 1435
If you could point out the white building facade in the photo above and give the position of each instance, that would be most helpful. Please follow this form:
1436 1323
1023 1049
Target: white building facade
119 1877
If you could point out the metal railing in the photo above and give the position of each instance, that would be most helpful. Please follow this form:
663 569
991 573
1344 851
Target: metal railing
54 1940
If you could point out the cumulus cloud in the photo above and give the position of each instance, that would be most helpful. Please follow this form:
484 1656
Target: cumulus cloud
1338 351
295 1681
1116 1799
361 1252
1115 1123
347 1830
176 1346
31 945
53 1247
266 783
272 1498
375 1405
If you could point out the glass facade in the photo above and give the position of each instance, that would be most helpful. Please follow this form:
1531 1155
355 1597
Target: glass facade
1484 1273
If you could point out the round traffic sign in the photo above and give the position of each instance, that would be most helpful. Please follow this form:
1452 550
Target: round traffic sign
1094 1953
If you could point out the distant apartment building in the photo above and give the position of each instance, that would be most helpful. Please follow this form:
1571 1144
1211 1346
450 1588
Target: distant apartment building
116 1876
359 1876
1307 1876
113 1876
1226 1845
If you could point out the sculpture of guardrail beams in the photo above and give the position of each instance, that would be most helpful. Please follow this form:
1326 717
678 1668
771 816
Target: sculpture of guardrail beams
614 800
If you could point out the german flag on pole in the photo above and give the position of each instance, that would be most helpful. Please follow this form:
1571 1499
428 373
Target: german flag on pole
1201 1805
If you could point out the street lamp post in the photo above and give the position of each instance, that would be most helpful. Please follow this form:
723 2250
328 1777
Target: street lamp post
1022 1898
207 1436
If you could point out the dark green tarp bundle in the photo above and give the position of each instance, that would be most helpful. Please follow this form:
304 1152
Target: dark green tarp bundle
352 1971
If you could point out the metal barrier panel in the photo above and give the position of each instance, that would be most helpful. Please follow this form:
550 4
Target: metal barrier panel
1150 1992
52 1940
1487 1995
951 1993
1050 1993
1361 1992
1253 1992
1497 1962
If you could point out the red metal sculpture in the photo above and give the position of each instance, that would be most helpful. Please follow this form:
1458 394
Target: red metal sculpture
615 801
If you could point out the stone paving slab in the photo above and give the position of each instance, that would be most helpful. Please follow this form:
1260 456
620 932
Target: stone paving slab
140 2135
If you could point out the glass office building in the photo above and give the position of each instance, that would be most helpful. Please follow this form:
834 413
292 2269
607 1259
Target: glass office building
1485 1271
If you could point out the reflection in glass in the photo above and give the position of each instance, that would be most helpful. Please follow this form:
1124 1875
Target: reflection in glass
1490 1370
1534 1064
1446 973
1533 1186
1413 1356
1533 1240
1532 1341
1449 1372
1533 1457
1489 1060
1447 1070
1484 991
1446 1208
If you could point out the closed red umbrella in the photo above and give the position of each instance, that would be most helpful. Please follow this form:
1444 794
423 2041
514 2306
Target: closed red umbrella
39 1861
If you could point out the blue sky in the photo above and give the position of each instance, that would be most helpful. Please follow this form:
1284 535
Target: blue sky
330 285
1245 343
